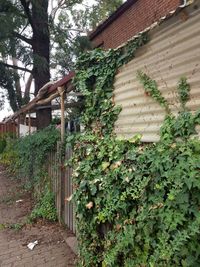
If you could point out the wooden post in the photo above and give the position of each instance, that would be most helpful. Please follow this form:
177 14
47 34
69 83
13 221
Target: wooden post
61 91
18 127
61 176
24 119
29 123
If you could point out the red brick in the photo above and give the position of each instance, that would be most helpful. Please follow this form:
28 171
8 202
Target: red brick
136 18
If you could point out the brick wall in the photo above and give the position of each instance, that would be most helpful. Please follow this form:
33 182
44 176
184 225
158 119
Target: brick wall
136 18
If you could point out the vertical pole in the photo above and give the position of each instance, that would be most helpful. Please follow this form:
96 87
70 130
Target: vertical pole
18 127
29 123
61 184
62 107
25 119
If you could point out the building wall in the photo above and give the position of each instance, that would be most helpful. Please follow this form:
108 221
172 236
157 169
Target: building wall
138 17
24 130
173 52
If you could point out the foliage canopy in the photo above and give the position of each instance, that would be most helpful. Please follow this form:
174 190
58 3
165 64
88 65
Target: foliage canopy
39 37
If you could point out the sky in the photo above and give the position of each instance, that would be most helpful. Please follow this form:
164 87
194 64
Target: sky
6 111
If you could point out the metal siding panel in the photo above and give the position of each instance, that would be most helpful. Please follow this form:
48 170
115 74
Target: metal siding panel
173 52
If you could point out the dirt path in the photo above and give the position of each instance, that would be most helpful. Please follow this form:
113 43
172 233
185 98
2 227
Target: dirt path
51 250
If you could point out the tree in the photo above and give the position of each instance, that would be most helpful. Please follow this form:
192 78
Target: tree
29 30
102 10
71 36
89 17
25 34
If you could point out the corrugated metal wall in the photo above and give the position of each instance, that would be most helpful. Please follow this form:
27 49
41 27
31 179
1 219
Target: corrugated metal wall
174 51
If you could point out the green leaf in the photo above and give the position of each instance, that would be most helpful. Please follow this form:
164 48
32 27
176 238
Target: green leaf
105 165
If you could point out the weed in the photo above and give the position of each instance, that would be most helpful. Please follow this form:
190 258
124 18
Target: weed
15 226
2 226
45 208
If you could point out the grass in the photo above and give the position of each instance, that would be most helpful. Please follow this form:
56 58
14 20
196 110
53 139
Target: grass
2 226
13 226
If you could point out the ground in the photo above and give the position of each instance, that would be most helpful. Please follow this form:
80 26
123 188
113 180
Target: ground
51 250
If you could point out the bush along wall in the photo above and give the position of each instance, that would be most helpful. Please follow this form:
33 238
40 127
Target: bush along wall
26 158
33 150
136 204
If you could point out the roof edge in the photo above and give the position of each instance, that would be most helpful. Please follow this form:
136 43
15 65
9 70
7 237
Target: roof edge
157 23
111 18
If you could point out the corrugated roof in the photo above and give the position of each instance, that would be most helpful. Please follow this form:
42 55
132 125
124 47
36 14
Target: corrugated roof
51 89
61 82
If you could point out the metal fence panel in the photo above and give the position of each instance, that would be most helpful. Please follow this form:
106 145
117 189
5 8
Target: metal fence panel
174 51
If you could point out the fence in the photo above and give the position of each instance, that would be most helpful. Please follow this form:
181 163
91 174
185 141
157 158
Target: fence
61 185
69 214
54 172
61 180
8 128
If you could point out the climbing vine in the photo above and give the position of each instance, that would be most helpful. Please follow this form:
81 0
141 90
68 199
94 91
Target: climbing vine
136 204
183 91
151 89
94 78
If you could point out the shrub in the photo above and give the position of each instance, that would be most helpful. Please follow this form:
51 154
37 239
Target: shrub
45 208
27 157
9 157
2 144
32 151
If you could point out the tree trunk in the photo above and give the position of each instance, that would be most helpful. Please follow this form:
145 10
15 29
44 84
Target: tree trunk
17 84
41 43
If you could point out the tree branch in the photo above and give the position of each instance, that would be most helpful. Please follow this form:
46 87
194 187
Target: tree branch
55 9
77 30
27 12
23 38
28 87
17 83
15 67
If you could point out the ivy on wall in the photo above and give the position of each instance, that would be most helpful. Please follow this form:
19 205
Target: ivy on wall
94 78
136 205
